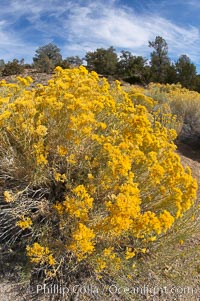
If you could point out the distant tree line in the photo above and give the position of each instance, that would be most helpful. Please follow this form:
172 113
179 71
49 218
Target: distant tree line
126 66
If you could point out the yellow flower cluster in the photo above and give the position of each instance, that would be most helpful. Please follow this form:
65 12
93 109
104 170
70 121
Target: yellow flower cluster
79 205
40 255
24 222
59 178
107 259
130 253
82 244
8 196
117 175
122 209
139 98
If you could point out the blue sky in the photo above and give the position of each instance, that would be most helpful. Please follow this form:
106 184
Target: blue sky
84 25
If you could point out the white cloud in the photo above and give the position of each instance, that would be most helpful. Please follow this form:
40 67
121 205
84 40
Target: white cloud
83 26
124 28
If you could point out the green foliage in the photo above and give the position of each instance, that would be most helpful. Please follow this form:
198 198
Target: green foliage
159 59
47 58
74 61
186 72
2 65
71 62
131 68
171 74
103 61
13 68
197 83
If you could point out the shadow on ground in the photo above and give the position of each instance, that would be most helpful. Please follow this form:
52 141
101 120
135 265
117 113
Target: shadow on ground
188 150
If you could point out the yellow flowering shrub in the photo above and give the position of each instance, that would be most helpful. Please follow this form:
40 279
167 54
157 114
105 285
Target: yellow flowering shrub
175 105
92 171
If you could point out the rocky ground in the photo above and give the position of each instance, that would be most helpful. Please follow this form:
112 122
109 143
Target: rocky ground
38 78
